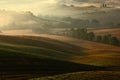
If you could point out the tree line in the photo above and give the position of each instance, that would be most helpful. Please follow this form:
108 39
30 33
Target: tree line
84 34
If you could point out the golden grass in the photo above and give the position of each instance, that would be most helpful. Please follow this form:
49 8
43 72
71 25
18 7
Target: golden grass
102 51
99 60
89 75
98 54
82 43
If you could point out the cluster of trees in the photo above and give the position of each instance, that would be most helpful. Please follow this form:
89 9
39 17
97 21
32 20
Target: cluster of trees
75 22
108 39
84 34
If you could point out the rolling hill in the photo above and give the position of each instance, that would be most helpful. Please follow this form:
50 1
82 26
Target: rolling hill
42 42
25 57
17 64
31 56
85 52
97 53
81 43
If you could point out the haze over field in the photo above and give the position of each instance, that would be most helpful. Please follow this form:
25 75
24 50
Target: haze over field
40 38
39 14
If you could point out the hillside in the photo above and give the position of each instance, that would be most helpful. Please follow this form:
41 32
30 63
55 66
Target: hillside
42 42
97 53
24 57
59 39
17 64
94 53
81 43
31 56
90 75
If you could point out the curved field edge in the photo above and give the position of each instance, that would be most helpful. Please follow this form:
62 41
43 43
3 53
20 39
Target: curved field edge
97 53
34 51
89 75
41 42
19 60
40 58
52 44
107 60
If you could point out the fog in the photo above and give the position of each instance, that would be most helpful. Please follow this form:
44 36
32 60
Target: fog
42 16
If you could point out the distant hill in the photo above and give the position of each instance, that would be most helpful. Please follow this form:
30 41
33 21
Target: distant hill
19 20
107 17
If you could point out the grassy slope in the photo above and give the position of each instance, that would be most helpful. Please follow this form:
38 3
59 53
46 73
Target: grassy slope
37 51
33 56
98 54
19 63
42 42
90 75
82 43
19 58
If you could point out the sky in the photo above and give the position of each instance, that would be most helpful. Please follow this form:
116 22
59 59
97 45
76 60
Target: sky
31 5
26 5
38 5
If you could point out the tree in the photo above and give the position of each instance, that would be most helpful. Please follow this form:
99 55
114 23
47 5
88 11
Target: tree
114 41
67 18
77 33
95 21
91 36
83 33
72 32
99 38
71 5
106 39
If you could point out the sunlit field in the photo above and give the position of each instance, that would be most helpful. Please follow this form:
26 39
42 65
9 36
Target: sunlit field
59 40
